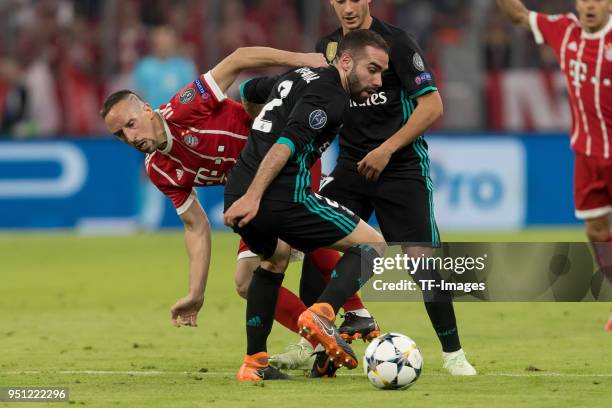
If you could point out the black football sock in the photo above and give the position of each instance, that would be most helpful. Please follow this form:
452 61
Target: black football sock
351 272
311 282
442 317
439 306
261 303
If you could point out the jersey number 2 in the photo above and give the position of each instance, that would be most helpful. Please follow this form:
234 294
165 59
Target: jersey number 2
264 125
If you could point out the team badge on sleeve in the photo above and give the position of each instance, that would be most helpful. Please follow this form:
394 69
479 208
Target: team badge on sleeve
424 77
331 50
187 96
201 89
317 119
417 61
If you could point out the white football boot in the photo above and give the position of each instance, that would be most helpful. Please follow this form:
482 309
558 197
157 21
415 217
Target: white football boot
298 356
456 363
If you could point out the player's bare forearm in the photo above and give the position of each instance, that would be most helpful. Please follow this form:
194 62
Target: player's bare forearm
271 165
197 243
516 11
198 249
429 109
197 240
226 71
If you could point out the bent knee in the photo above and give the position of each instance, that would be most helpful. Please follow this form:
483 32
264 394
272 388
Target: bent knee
275 265
372 235
242 283
597 231
278 262
242 288
598 235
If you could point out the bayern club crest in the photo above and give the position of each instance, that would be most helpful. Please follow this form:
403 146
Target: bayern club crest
609 52
190 140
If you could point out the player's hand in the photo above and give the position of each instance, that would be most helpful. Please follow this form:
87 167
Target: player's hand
374 163
315 60
241 212
185 311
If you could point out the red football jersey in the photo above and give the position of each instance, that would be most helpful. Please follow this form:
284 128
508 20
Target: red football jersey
586 61
205 134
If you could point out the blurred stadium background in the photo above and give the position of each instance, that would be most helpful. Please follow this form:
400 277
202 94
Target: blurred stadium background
92 312
500 155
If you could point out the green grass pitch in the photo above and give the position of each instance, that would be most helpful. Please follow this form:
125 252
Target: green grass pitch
92 314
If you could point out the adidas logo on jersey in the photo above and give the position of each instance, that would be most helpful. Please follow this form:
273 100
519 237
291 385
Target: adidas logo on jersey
572 46
179 174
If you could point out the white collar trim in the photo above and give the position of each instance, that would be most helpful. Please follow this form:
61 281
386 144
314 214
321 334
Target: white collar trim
598 34
169 138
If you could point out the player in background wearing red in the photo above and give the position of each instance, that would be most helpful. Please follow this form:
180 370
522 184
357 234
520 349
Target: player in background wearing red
583 46
193 141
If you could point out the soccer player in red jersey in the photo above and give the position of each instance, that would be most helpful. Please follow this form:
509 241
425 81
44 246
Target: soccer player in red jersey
193 141
583 46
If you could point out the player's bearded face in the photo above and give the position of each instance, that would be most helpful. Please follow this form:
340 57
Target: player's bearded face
365 78
593 14
359 91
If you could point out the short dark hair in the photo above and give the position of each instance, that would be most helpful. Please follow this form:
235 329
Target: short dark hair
115 98
355 41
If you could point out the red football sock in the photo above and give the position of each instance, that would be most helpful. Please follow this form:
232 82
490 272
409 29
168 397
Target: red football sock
325 260
353 303
288 309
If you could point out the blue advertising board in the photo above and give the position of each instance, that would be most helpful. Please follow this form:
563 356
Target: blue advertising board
480 182
58 184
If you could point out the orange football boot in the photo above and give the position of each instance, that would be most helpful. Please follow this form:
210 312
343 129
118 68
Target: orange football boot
317 323
256 368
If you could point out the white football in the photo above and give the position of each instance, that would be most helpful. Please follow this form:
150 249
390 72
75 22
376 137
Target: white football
392 362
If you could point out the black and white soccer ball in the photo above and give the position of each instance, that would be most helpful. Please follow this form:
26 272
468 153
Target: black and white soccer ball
393 362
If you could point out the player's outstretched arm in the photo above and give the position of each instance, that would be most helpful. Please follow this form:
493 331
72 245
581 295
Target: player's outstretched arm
198 242
516 11
226 71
